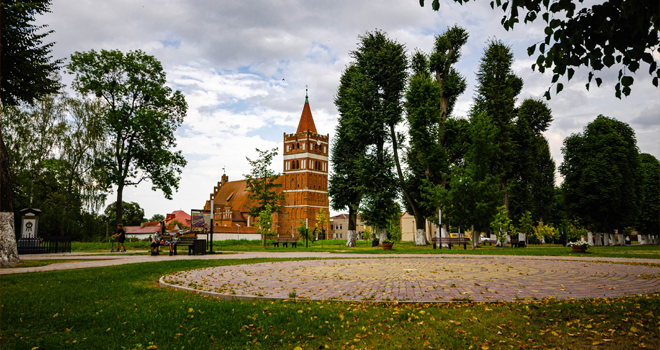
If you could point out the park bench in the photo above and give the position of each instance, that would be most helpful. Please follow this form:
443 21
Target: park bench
439 241
285 241
519 243
184 241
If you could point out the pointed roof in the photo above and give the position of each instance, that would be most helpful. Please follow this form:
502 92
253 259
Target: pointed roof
306 120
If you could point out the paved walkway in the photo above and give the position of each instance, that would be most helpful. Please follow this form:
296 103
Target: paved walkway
403 277
427 279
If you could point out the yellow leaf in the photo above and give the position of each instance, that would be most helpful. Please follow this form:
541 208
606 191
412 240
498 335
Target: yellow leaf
107 330
35 348
55 315
484 347
191 310
297 348
341 317
555 334
597 343
588 326
634 329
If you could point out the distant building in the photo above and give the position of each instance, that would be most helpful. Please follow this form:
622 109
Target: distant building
339 227
304 185
179 215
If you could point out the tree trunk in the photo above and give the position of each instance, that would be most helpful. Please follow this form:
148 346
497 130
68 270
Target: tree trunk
8 251
119 207
6 191
420 236
351 237
382 235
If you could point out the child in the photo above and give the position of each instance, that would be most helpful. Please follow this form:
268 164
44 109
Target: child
121 237
173 243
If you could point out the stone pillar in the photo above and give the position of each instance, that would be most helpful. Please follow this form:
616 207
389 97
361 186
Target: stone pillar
606 239
590 237
8 250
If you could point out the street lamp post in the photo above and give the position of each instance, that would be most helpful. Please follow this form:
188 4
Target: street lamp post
239 232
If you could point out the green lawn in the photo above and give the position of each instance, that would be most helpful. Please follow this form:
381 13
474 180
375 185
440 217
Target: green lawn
364 247
121 307
37 263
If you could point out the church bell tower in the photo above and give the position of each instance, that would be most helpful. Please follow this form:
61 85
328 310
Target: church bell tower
305 174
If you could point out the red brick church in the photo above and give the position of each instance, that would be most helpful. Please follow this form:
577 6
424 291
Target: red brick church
304 185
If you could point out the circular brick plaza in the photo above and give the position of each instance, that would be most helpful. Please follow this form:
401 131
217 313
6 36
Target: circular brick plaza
420 279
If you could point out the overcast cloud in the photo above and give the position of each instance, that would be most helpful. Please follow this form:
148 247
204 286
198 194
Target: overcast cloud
243 67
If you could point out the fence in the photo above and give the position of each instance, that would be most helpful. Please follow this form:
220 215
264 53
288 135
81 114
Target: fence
60 244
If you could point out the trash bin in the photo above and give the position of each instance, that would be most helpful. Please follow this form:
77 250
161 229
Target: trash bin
199 246
375 243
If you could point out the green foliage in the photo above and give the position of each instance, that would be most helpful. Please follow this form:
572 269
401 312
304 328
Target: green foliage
575 230
648 222
157 217
141 116
589 37
53 146
526 224
501 224
532 177
349 144
602 175
303 230
28 71
265 221
545 231
133 214
321 220
381 74
261 184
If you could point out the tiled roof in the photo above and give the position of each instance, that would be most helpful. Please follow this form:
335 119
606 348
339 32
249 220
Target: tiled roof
179 215
138 229
306 120
234 194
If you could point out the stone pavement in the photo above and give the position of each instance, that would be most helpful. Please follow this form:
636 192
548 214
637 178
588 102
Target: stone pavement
402 277
428 279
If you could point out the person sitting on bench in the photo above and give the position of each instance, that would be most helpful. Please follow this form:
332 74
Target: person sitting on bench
173 243
155 242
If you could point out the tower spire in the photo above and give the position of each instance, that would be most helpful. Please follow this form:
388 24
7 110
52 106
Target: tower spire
306 96
306 120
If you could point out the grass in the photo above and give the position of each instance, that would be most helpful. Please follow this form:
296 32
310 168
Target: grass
121 307
37 263
364 247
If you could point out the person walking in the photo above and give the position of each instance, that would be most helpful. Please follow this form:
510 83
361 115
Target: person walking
121 237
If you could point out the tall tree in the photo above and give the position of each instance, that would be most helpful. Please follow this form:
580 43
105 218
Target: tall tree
133 214
27 70
348 148
602 175
533 171
430 98
612 32
383 64
142 115
496 97
261 184
648 222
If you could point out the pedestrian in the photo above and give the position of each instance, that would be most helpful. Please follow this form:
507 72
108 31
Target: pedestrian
121 237
155 242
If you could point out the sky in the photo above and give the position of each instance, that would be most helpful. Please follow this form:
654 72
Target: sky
243 67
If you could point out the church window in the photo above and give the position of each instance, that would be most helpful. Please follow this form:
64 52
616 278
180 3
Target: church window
297 145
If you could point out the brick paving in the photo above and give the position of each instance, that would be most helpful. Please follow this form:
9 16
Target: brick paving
421 279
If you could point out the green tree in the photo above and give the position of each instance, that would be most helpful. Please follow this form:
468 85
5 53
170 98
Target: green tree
432 92
382 65
321 220
141 116
265 223
496 97
133 214
648 222
261 184
602 175
533 171
27 71
348 147
526 224
157 217
590 37
501 225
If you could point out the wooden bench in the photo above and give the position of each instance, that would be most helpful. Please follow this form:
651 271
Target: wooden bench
185 241
286 241
518 243
439 241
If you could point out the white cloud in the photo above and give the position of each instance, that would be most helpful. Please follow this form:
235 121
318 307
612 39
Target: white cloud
243 67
